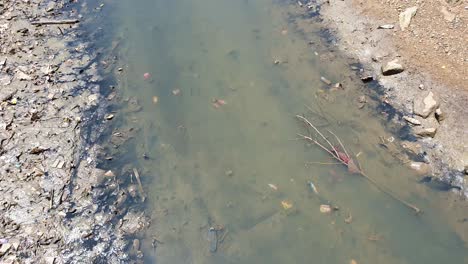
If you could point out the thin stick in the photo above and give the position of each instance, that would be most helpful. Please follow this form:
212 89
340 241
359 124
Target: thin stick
382 189
323 163
137 176
55 22
416 209
341 144
324 148
324 138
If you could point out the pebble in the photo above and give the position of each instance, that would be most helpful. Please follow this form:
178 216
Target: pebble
406 16
412 121
439 115
392 67
425 132
425 104
420 168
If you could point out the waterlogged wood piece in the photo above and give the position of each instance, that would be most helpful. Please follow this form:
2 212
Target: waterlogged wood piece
55 22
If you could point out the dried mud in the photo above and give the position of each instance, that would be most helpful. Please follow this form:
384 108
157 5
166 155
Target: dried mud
56 206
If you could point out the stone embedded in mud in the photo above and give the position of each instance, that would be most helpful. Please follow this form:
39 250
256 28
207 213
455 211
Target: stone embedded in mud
412 121
440 116
406 16
425 104
392 67
23 76
425 132
420 168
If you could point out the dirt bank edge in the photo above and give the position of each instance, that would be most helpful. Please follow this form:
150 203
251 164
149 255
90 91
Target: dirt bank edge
54 201
446 152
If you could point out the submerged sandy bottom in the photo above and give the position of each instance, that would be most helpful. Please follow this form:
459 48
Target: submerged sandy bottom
222 132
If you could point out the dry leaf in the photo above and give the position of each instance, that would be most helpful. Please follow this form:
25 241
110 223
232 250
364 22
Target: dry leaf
286 205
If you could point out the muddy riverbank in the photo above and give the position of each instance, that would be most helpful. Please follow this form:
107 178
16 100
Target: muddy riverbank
56 206
427 85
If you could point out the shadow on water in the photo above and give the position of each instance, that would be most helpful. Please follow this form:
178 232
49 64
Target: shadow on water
212 129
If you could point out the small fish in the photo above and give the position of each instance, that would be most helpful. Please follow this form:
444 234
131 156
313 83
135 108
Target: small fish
273 186
312 187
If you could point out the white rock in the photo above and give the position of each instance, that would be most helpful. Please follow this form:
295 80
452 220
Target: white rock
421 168
406 16
412 121
425 104
439 115
392 67
23 76
425 132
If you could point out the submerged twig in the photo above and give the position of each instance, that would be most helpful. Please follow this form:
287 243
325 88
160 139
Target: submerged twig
323 163
346 160
320 133
339 141
137 176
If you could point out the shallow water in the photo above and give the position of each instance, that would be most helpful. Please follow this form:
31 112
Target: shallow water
206 164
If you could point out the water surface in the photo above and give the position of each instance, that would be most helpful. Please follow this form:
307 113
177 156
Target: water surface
206 164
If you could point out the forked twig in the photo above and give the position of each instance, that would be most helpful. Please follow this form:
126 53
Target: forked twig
320 133
348 162
339 141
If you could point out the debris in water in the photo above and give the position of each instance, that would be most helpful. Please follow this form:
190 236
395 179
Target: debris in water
348 219
229 173
213 238
137 176
272 186
325 208
109 173
146 75
325 80
218 102
176 91
155 99
352 261
312 187
286 205
284 32
338 86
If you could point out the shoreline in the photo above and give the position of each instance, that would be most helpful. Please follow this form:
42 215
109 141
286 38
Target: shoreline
56 205
440 139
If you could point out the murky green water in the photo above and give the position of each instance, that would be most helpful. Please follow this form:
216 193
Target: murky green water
211 164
